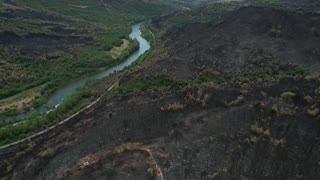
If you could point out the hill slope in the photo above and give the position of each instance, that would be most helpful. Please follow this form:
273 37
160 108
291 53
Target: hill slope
215 100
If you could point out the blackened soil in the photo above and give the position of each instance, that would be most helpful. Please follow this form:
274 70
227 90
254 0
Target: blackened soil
59 37
30 14
246 140
239 36
36 44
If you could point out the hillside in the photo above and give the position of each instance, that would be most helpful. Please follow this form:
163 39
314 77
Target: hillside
228 92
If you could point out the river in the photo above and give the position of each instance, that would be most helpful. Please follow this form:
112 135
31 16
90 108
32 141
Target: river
58 97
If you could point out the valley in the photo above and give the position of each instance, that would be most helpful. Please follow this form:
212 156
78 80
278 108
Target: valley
51 45
227 90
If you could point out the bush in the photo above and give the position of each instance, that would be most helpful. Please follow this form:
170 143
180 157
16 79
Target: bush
279 142
8 113
297 71
150 171
287 96
198 97
313 112
280 109
256 129
237 101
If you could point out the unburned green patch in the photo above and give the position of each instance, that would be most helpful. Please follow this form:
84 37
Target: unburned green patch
149 84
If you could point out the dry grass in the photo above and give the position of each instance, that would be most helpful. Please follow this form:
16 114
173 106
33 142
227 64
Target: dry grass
287 96
150 171
267 133
256 129
313 111
254 139
237 101
116 51
279 142
173 107
308 99
283 110
258 135
197 98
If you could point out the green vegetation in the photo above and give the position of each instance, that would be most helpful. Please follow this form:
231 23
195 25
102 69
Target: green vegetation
146 33
149 84
139 61
82 33
108 26
55 72
253 70
72 103
133 47
8 113
100 25
210 76
275 72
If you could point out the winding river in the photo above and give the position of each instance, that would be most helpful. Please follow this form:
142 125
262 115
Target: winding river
58 97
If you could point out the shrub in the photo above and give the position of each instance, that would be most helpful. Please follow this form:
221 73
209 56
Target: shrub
8 112
275 31
308 99
283 110
256 129
287 96
297 71
247 140
267 133
150 171
237 101
313 112
254 139
198 97
279 142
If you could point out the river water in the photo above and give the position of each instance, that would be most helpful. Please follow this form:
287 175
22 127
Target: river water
58 97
